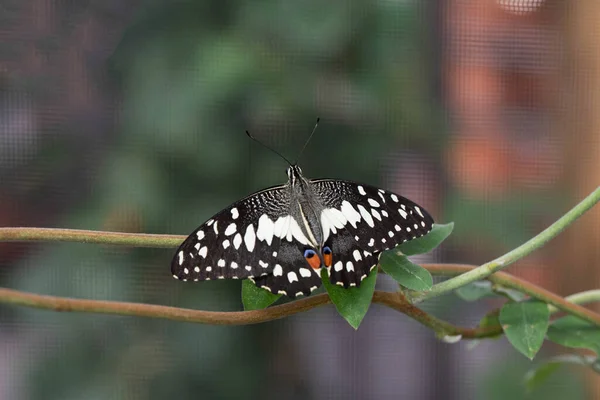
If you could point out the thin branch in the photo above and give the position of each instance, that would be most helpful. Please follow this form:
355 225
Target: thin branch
504 261
391 300
589 296
504 279
95 237
395 301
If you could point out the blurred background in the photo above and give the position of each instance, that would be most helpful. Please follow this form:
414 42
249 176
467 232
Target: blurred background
130 116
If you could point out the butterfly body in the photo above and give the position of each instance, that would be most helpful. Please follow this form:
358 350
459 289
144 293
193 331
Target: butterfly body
281 237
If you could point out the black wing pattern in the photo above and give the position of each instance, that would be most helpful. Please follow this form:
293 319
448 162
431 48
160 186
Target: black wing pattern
240 241
360 221
254 238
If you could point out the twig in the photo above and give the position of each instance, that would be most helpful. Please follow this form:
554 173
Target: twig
504 261
510 281
234 317
95 237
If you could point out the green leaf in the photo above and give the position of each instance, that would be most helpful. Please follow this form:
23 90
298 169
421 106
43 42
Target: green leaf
538 375
426 243
475 290
509 293
255 298
405 272
525 325
571 331
351 303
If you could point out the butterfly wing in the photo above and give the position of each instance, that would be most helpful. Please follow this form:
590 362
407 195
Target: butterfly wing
360 221
238 242
253 238
292 275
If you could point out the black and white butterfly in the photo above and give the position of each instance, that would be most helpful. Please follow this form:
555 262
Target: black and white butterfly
281 237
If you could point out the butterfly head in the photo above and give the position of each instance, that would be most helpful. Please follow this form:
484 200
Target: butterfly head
294 173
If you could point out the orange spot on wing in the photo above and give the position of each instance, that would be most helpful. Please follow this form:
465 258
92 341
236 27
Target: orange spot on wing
328 259
314 261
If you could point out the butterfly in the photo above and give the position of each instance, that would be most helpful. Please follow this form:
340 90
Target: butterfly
281 237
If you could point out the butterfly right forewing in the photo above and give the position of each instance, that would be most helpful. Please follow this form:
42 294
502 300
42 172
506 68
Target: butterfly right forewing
360 221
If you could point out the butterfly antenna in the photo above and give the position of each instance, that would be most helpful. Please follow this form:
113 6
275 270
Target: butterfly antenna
308 140
268 147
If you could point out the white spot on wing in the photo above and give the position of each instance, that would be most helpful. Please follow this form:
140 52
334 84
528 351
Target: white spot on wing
366 216
292 276
225 243
263 264
394 197
349 266
277 271
361 190
248 268
234 213
221 263
208 269
180 255
397 227
402 212
265 229
196 269
304 272
200 235
234 265
338 266
250 237
356 255
215 227
418 210
373 202
203 251
350 213
376 214
281 226
237 241
384 213
295 232
231 228
186 271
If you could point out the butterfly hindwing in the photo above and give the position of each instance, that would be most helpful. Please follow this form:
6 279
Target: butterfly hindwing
349 263
241 241
292 275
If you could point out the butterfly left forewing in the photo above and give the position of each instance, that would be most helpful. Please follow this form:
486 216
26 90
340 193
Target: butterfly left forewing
241 241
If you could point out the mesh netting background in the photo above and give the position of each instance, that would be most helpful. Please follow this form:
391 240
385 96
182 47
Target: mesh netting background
130 116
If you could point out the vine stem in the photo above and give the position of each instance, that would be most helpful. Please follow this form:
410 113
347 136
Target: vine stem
395 301
507 259
389 299
555 302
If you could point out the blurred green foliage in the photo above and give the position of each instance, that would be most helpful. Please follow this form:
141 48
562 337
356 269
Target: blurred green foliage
191 76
